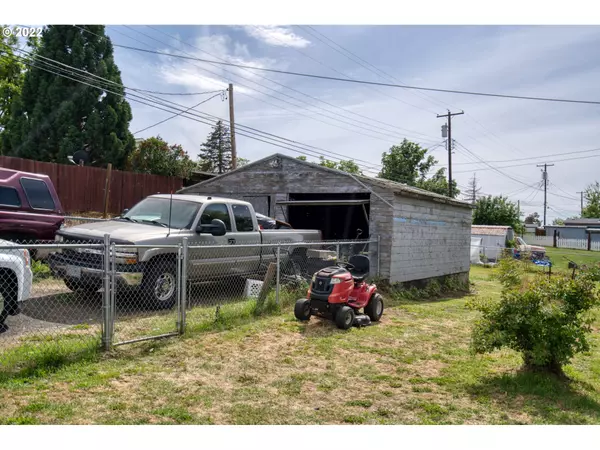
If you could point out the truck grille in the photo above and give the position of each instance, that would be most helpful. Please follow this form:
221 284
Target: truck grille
92 258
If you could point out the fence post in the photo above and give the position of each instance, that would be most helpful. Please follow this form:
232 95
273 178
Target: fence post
554 239
113 292
337 252
278 270
589 242
183 287
178 280
106 309
107 189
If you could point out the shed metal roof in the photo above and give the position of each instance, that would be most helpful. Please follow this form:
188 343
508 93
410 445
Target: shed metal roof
489 230
392 186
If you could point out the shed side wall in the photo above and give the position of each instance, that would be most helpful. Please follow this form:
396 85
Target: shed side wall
429 239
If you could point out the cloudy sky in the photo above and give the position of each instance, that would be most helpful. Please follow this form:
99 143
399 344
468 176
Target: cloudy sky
361 121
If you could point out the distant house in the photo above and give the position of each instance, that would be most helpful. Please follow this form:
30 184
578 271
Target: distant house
493 239
593 223
576 229
530 227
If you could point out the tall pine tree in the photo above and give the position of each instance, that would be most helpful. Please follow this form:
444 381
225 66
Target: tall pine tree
54 116
215 153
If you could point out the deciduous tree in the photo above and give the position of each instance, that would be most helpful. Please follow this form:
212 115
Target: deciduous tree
409 163
496 210
592 201
154 155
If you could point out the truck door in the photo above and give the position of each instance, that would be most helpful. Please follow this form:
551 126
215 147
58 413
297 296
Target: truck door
244 260
210 263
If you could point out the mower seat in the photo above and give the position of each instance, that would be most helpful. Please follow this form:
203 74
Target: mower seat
361 267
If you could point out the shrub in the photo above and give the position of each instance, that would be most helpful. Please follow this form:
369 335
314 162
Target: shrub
40 270
544 319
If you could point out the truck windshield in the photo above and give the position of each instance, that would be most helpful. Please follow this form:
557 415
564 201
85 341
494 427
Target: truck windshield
155 211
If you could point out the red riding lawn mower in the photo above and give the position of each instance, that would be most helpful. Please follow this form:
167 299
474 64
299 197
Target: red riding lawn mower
339 292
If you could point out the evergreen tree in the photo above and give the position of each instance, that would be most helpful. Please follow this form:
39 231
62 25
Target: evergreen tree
215 153
54 116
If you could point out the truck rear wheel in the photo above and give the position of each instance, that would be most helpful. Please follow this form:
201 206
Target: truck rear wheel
160 285
9 291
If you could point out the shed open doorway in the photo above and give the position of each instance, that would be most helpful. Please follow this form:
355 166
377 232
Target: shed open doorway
338 216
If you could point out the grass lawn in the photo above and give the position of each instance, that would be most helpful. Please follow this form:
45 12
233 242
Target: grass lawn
559 256
414 367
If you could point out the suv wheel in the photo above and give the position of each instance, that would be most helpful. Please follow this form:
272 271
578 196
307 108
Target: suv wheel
160 285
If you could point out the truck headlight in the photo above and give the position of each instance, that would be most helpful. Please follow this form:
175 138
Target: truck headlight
336 280
126 258
59 238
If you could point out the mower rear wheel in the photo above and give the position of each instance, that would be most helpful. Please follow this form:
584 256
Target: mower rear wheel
302 309
344 318
374 308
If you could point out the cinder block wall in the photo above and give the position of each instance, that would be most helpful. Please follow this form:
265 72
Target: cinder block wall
429 239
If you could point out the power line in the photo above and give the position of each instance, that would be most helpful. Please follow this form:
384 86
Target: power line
373 83
354 57
370 126
536 157
528 164
359 63
490 166
563 191
248 132
179 93
177 114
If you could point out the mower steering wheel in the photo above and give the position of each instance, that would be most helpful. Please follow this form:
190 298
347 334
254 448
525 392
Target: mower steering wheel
347 266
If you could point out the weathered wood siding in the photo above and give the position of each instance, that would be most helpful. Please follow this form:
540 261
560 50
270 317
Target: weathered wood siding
287 176
430 239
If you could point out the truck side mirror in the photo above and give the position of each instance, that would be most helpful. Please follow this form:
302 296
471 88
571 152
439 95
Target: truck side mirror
125 211
216 228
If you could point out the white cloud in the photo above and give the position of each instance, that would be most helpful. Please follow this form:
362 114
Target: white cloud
196 75
277 36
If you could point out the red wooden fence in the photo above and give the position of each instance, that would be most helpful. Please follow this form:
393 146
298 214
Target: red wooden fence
81 189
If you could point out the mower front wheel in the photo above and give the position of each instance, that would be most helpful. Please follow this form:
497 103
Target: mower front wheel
302 309
374 308
344 318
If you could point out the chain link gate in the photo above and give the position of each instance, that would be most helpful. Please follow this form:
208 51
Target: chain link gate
149 304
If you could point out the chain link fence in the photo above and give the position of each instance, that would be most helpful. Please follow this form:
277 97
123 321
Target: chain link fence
88 294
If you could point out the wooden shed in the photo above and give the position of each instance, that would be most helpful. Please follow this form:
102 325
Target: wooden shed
422 235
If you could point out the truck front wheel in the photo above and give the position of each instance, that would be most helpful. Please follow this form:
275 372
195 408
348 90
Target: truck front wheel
160 284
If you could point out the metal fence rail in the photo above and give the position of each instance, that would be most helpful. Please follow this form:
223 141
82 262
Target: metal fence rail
85 295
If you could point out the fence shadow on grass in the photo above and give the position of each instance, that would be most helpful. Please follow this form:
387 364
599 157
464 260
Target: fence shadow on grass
548 397
29 360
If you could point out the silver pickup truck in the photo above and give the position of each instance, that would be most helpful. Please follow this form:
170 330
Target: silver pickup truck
161 220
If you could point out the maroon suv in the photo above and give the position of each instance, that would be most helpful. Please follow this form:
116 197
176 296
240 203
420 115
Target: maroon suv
29 207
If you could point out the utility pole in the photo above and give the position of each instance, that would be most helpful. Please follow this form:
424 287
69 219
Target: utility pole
545 177
448 116
232 129
581 192
519 213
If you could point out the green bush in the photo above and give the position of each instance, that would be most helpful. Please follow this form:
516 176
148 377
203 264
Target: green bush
545 319
40 270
